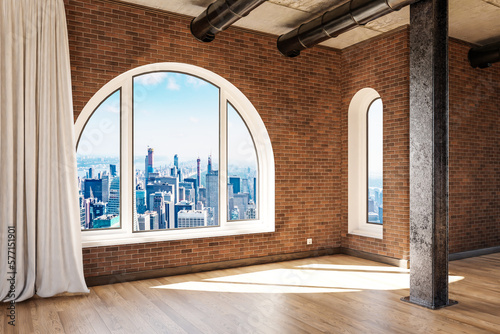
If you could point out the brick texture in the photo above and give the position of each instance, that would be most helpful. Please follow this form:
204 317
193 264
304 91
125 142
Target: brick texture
474 153
303 102
382 63
298 100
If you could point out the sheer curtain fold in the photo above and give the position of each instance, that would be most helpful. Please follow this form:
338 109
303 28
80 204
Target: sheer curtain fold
39 195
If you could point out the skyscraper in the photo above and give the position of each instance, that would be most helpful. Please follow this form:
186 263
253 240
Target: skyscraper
213 196
236 182
149 168
94 188
198 171
176 161
112 169
195 186
209 163
140 198
184 205
157 201
191 218
114 197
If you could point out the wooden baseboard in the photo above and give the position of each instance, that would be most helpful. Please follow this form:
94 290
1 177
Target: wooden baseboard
473 253
126 277
376 257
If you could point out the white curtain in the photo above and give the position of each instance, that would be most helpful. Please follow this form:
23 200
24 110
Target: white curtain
39 214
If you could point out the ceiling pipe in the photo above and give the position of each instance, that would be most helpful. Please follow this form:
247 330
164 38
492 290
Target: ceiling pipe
335 22
484 56
220 15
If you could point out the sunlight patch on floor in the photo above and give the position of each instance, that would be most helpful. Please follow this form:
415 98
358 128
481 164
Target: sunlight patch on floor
314 278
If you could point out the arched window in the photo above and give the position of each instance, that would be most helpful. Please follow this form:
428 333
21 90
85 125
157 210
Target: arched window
365 164
172 151
375 169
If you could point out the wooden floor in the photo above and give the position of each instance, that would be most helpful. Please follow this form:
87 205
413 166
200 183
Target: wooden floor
332 294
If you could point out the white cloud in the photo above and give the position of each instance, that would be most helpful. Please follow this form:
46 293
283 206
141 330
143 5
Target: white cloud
195 82
114 108
172 84
194 119
151 79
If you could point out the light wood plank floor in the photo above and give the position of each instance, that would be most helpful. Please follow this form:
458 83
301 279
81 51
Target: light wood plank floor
332 294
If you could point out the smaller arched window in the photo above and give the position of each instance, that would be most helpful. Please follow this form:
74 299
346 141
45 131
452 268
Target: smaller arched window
172 151
365 164
375 168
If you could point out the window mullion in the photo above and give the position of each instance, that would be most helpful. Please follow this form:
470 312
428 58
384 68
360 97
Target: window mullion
126 180
223 160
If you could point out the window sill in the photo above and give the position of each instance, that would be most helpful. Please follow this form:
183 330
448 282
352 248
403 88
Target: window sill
119 237
372 233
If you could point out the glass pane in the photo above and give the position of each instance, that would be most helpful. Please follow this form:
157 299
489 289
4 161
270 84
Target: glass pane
242 169
176 152
375 163
98 159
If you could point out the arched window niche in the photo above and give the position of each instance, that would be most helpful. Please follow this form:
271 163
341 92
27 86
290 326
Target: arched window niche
365 168
186 153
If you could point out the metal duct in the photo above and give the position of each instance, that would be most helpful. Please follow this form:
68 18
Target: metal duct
484 56
335 22
219 16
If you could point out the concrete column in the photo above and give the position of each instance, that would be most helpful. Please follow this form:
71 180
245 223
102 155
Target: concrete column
429 154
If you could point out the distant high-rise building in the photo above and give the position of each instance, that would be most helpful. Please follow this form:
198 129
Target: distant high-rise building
154 221
371 205
149 168
157 204
255 190
97 209
236 182
198 172
241 201
112 170
114 197
184 205
140 200
203 195
91 173
251 213
96 188
163 184
191 183
213 196
169 213
209 167
105 183
234 214
144 221
176 161
106 221
150 159
193 218
84 212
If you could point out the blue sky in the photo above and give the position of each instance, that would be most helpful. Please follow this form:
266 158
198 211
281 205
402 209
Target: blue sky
241 149
101 135
375 142
176 113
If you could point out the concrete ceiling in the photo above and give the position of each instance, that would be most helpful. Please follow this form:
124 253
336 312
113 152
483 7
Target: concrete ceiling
474 21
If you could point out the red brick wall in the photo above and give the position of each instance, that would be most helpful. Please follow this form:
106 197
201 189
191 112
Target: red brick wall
303 102
298 100
382 64
474 153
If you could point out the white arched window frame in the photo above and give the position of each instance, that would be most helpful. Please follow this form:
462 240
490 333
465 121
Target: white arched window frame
228 94
357 165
